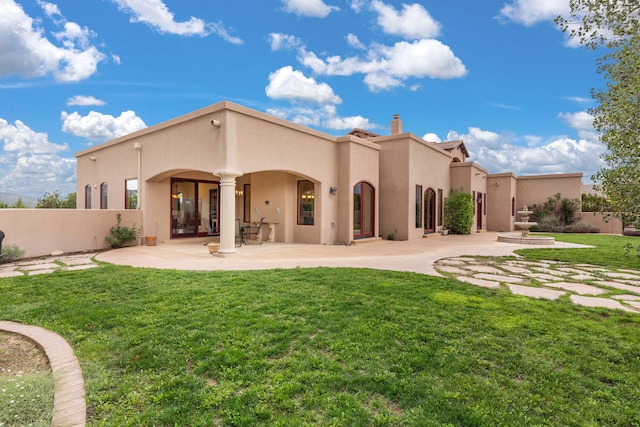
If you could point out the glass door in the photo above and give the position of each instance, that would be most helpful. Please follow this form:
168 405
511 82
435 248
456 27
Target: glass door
183 208
363 209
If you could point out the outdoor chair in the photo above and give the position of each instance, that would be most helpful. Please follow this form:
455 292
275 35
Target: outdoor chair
251 230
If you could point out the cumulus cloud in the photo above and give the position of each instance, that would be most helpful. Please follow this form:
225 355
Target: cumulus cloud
431 137
25 51
413 22
101 127
84 100
386 67
293 85
530 12
30 164
326 117
310 8
582 122
530 154
157 15
281 41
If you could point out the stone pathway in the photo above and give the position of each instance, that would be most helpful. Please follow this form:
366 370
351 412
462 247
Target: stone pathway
48 265
585 284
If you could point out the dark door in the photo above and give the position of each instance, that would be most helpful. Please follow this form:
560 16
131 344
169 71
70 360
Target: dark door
363 210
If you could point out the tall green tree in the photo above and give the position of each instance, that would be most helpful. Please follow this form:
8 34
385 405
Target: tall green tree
56 201
614 25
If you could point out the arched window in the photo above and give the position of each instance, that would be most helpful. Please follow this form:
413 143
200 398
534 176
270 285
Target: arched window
429 211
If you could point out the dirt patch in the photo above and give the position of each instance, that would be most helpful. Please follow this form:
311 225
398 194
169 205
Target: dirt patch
20 354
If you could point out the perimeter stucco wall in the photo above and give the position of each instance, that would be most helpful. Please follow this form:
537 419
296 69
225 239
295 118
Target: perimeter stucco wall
407 161
39 232
536 189
609 225
501 190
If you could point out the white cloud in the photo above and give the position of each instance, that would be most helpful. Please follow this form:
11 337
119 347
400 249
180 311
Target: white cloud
30 164
413 22
281 41
431 137
530 12
505 152
310 8
353 41
582 122
101 127
386 67
26 52
84 100
293 85
157 15
326 117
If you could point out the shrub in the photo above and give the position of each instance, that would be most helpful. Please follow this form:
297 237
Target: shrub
11 253
581 227
458 212
556 211
120 235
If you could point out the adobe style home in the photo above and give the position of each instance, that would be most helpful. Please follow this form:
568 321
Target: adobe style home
210 171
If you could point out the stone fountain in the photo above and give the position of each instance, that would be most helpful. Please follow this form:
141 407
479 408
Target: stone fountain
524 225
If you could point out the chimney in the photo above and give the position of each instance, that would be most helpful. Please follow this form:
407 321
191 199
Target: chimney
396 125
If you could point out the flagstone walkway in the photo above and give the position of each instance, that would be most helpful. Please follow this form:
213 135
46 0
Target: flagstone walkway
585 284
48 265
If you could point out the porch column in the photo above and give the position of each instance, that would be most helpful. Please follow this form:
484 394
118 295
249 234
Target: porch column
227 212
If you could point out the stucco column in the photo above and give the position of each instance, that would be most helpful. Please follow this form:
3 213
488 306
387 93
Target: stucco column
227 212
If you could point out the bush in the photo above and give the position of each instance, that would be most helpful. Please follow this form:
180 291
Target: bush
458 212
581 227
11 253
556 210
120 235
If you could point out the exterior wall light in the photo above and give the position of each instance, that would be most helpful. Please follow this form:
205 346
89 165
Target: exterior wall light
216 123
333 191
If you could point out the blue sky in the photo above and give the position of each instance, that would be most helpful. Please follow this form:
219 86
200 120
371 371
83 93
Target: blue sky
496 73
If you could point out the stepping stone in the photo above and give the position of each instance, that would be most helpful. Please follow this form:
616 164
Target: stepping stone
624 270
572 270
484 269
81 267
549 271
617 275
515 269
634 304
529 264
599 302
544 277
43 266
618 285
627 297
540 293
453 270
499 278
75 260
10 273
36 272
583 277
479 282
578 288
451 261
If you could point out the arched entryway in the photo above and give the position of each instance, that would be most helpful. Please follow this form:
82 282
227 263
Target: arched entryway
430 211
363 210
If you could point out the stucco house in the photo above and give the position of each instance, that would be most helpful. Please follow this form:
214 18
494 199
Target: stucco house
209 171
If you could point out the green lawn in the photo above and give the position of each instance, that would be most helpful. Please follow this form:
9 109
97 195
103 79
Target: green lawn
331 347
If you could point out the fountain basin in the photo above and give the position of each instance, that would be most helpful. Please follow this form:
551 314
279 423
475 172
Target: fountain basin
528 240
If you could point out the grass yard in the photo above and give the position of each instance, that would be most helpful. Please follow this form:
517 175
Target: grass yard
332 347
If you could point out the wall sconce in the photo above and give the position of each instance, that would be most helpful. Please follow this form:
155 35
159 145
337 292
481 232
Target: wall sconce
239 193
266 202
333 191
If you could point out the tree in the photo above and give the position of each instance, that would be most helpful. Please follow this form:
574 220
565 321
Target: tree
458 212
56 201
614 25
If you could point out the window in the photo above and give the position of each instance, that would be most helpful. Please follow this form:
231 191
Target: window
440 207
103 195
131 194
87 197
513 206
484 202
418 206
306 202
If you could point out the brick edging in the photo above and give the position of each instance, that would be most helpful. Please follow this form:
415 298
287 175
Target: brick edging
69 405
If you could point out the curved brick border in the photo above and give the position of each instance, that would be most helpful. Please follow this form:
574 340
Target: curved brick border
69 406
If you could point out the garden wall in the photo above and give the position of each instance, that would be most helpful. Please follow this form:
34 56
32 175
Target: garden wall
612 226
39 232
